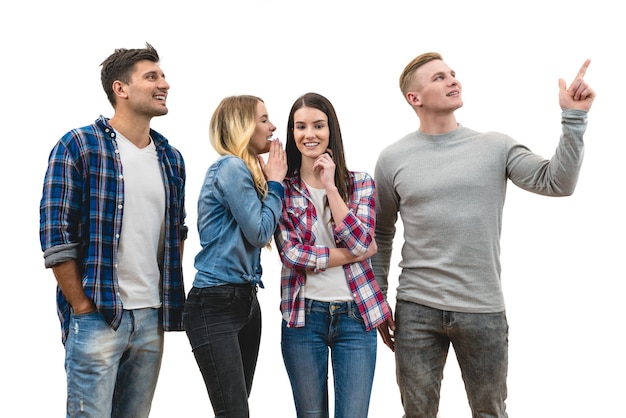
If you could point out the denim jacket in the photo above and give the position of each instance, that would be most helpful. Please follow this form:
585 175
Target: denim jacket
234 224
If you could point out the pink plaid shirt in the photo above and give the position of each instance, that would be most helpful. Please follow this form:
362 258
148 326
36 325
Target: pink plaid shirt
295 238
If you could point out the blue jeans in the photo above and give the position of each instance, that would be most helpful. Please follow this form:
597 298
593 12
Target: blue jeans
480 340
337 326
113 373
223 324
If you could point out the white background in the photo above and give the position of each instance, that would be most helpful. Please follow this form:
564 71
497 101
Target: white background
562 257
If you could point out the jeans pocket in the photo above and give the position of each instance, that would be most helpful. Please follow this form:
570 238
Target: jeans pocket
216 302
85 315
210 299
356 315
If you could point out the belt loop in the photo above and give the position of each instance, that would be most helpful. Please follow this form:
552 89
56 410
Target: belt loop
355 309
308 304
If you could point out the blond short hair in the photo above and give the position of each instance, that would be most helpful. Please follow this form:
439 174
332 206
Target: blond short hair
406 78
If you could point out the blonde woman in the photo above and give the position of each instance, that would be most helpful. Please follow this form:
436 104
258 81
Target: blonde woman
238 209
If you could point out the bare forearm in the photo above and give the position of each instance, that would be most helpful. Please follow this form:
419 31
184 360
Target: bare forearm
341 256
69 279
338 207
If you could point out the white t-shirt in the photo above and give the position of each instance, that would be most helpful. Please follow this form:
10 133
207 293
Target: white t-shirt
140 250
329 285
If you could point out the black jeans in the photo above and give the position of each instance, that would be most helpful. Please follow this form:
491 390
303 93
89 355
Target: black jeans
223 324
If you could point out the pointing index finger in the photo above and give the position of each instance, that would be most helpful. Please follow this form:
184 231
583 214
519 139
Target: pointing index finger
583 69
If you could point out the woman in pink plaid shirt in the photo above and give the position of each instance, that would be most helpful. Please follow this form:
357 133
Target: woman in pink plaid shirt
330 299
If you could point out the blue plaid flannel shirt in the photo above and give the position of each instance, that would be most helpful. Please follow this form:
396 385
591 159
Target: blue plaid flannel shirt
81 218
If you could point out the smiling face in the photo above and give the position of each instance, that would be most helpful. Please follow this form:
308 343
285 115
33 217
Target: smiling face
146 93
311 132
435 88
260 140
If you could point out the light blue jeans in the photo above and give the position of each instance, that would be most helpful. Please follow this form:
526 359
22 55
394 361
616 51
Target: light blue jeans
113 373
480 340
338 327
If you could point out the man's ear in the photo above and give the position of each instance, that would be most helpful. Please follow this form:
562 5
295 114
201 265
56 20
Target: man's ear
414 98
119 89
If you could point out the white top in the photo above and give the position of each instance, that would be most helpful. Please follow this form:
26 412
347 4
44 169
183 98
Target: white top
140 250
329 285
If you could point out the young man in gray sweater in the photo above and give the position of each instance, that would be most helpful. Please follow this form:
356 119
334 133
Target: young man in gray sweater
448 184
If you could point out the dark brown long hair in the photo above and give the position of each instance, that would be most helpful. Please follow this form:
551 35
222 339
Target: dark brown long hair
335 143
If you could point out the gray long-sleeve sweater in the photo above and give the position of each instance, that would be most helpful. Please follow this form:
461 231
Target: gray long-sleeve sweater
449 191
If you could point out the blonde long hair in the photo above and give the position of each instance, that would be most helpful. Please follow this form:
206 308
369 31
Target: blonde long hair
231 128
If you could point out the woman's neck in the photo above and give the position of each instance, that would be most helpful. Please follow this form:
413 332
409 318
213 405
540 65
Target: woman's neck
309 176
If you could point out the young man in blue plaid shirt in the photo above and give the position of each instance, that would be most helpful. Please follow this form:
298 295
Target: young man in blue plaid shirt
112 230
